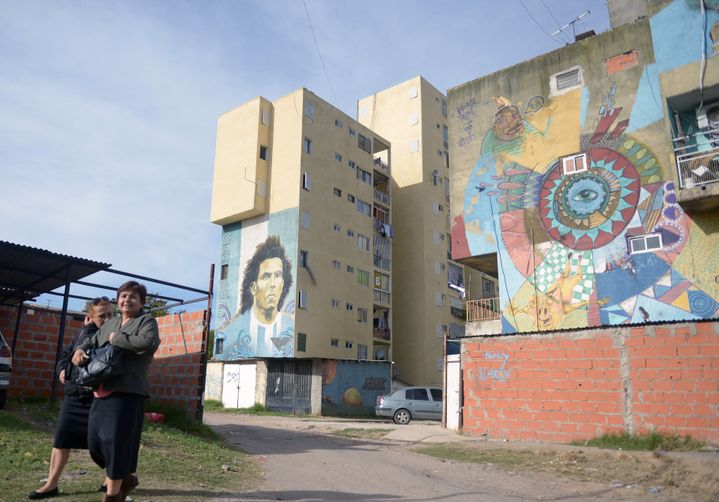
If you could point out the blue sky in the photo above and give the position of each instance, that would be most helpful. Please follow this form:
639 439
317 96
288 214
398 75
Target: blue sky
109 108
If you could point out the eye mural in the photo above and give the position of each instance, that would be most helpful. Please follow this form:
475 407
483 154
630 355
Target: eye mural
562 235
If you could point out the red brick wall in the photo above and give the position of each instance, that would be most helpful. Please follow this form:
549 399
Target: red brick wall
175 376
576 385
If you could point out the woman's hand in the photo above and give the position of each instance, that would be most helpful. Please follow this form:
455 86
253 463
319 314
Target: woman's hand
80 358
62 377
112 335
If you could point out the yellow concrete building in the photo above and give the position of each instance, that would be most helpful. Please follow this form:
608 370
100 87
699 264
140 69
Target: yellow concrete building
430 289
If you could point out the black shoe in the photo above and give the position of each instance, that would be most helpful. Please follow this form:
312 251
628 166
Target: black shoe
103 488
42 495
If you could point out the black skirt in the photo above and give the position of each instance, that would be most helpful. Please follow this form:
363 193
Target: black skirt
71 427
114 432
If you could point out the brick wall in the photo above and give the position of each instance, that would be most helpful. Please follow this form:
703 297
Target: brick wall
564 386
175 376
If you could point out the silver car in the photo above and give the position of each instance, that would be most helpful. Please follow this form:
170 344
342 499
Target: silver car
5 368
411 402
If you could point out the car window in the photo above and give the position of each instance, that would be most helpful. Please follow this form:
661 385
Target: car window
436 394
417 394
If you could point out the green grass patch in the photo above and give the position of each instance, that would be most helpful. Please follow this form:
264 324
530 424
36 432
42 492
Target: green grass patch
257 409
644 442
353 432
213 405
466 453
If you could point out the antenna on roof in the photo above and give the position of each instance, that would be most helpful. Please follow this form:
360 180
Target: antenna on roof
572 23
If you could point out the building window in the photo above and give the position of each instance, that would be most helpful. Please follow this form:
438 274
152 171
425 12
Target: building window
308 145
337 227
438 298
414 145
305 220
352 164
361 314
350 197
352 132
567 79
263 152
304 259
444 107
350 232
306 181
348 344
336 264
350 269
362 277
362 352
265 117
365 176
574 163
412 92
335 303
438 237
362 242
446 159
337 192
301 299
437 208
335 342
445 136
338 123
349 306
364 143
645 243
219 345
301 342
435 177
414 119
364 208
309 109
338 157
224 271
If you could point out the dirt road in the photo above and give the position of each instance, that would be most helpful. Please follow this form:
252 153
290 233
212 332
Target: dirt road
303 460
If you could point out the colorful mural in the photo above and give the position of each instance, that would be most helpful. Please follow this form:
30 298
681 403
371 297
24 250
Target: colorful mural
350 388
558 192
256 306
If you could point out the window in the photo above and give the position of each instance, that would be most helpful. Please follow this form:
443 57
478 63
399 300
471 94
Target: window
352 164
263 152
435 177
365 176
305 220
362 277
414 145
348 344
338 157
364 143
337 192
361 314
350 197
335 342
361 352
440 330
308 145
567 79
364 208
437 269
381 281
414 119
350 269
335 303
304 259
338 123
336 227
487 287
351 131
301 299
645 243
436 394
417 394
301 342
436 208
265 117
350 232
412 92
224 271
444 107
349 306
445 136
574 163
309 109
437 237
362 242
336 264
438 298
306 181
446 159
219 345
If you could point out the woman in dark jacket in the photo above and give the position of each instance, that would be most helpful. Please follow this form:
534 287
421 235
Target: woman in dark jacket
71 427
118 410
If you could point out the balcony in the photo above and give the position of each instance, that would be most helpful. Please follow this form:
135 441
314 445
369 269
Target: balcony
381 197
381 298
381 333
484 309
380 262
381 166
697 158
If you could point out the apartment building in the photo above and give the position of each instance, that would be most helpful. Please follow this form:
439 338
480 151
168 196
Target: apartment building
430 289
302 193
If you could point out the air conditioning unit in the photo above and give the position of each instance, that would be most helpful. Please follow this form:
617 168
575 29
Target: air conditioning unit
708 116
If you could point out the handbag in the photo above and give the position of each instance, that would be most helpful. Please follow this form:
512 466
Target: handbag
105 363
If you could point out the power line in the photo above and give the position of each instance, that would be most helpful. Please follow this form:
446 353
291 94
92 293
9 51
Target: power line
324 68
561 32
537 23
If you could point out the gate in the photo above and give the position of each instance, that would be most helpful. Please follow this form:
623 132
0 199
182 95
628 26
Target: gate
453 392
289 385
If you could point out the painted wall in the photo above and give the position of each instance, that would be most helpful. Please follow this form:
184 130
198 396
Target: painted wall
565 386
562 240
352 387
255 315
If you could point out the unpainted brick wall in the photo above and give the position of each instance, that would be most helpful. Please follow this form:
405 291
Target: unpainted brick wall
566 386
175 376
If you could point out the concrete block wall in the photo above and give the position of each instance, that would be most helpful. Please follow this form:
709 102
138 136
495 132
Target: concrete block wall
563 386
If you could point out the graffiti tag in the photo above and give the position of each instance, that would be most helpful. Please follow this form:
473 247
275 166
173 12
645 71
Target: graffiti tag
465 114
501 374
374 383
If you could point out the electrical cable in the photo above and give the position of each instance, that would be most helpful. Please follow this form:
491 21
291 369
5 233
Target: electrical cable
539 25
317 45
559 27
703 67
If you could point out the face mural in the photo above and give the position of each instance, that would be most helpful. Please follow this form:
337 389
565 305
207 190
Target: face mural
256 297
576 218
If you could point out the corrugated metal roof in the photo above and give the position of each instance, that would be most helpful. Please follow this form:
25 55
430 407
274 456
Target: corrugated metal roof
26 272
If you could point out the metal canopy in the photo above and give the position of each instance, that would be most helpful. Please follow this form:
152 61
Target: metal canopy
27 272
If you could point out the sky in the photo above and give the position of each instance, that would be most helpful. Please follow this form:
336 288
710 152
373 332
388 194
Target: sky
108 109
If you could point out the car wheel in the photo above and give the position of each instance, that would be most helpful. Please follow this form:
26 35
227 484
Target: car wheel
3 397
402 417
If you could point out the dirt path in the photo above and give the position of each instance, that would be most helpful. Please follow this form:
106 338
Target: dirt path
302 460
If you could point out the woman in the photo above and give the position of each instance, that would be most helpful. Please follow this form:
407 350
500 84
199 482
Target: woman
117 411
71 427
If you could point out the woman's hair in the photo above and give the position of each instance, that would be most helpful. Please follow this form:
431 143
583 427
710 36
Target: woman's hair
97 302
134 287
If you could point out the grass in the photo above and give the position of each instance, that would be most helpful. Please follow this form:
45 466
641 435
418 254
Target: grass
466 453
644 442
217 407
180 460
352 432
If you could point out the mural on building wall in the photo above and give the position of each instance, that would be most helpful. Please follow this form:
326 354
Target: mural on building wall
256 306
577 201
352 387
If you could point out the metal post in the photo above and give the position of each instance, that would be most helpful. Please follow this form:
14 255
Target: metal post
61 333
17 328
205 338
444 380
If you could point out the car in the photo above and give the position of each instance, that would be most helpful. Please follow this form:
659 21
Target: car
5 369
409 403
